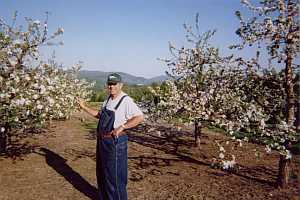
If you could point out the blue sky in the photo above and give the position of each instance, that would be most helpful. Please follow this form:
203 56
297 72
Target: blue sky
126 36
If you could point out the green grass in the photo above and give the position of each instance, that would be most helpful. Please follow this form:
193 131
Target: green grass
216 129
89 125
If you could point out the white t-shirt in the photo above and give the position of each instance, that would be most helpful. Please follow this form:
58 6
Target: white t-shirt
125 111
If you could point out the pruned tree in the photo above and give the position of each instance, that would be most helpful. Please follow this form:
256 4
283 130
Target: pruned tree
192 70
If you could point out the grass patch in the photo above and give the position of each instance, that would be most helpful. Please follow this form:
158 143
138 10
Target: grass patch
90 125
216 129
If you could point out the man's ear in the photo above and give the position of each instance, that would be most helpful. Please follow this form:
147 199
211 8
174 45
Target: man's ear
121 85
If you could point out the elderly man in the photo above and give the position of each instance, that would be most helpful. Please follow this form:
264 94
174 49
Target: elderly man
118 113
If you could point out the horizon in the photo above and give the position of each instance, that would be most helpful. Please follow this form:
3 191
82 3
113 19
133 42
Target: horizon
165 75
127 36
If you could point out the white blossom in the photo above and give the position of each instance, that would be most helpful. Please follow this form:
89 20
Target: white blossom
35 96
60 30
2 129
42 89
222 149
20 102
37 22
228 164
288 155
268 149
39 107
221 155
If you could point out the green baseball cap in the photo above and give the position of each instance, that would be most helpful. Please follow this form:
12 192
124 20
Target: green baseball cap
114 78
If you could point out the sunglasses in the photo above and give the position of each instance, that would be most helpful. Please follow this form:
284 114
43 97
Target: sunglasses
111 84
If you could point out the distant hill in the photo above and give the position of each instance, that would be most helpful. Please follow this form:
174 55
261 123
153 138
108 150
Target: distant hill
156 79
100 78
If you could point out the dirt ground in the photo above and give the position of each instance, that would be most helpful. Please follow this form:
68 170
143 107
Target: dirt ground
163 164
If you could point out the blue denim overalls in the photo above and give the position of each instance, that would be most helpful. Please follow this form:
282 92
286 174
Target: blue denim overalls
111 158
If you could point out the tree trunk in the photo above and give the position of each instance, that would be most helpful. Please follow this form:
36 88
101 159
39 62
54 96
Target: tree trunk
297 102
197 132
3 142
285 164
289 90
284 172
5 139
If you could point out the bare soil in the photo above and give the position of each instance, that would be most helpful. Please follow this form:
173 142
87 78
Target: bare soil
163 164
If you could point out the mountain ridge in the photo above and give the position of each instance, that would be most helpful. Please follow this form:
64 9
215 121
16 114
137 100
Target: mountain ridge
100 78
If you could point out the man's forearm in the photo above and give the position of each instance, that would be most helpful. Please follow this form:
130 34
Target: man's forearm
134 121
90 111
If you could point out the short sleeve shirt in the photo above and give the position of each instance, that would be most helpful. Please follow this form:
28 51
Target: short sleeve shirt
125 111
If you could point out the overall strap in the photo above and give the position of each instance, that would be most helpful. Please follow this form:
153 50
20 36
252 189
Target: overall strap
117 106
107 101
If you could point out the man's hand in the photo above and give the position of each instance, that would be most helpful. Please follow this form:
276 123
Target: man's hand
80 102
134 121
116 132
91 111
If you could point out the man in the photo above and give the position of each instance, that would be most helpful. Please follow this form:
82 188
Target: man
118 113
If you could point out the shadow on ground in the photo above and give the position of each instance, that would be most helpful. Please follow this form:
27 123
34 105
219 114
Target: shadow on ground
178 144
16 150
58 163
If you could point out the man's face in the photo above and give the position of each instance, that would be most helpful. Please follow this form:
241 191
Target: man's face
114 89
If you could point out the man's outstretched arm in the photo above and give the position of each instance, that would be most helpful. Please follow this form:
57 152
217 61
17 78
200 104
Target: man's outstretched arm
91 111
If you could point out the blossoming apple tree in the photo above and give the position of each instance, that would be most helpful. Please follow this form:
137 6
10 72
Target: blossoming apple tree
32 91
275 26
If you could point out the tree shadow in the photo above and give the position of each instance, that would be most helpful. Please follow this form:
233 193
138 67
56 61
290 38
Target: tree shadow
58 163
259 174
20 143
147 162
169 140
16 150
